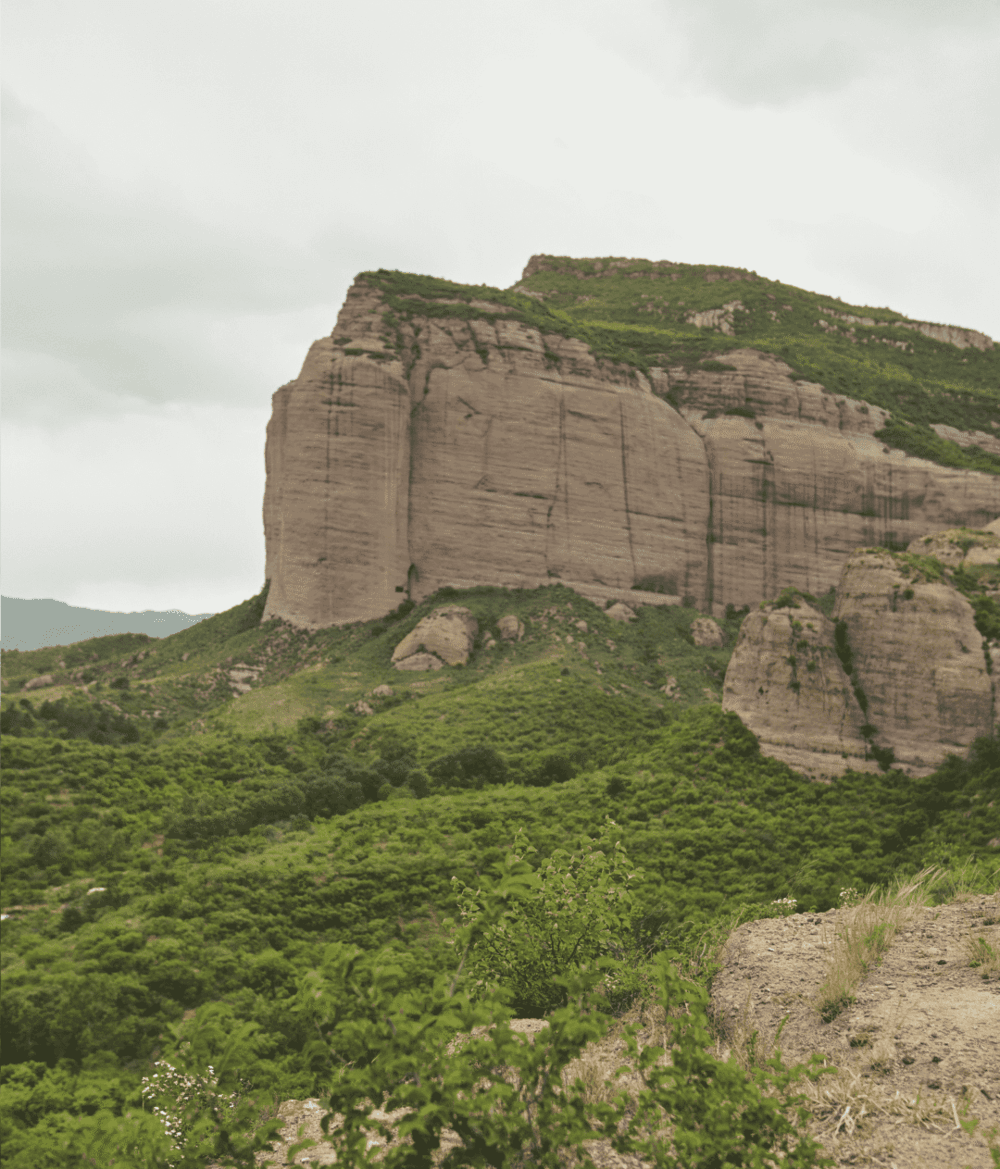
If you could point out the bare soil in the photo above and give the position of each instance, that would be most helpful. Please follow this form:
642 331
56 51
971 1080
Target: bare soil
918 1051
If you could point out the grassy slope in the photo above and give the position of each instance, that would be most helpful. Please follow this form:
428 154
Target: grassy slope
634 312
194 917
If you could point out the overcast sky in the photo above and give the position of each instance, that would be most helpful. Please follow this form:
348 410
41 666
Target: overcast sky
189 188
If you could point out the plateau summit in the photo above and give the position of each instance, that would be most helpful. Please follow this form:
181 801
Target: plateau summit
638 431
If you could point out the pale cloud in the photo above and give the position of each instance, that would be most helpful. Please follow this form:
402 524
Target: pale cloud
190 188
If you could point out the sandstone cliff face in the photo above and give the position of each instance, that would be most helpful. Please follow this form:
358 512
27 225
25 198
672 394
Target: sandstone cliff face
457 452
911 673
918 657
787 684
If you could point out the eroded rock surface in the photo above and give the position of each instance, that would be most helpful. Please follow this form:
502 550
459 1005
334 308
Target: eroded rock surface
705 631
451 451
449 634
916 1041
917 656
511 628
788 686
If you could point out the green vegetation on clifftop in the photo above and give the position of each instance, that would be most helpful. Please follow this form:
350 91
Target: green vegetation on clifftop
636 312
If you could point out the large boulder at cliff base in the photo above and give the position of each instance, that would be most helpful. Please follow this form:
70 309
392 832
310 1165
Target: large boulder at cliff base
511 628
448 633
420 661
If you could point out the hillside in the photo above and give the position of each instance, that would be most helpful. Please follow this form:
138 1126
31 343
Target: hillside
189 831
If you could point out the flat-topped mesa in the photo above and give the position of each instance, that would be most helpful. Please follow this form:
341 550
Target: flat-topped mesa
440 438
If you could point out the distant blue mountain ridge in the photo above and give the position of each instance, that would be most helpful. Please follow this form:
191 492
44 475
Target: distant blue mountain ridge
33 624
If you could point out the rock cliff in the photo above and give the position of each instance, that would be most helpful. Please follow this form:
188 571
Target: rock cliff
904 673
446 443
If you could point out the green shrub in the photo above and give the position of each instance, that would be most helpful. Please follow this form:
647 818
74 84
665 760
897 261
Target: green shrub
472 767
574 910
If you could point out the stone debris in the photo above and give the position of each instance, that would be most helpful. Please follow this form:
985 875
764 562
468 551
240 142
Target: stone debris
621 612
242 677
420 662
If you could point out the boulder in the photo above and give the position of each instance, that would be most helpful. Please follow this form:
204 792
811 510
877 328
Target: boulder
511 629
707 632
361 707
39 682
450 633
420 662
383 691
621 612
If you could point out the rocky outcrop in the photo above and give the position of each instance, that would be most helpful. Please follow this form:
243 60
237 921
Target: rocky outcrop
39 682
446 635
918 657
901 675
788 685
472 449
511 628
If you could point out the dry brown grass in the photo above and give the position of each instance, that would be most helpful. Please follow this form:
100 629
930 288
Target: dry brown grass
864 932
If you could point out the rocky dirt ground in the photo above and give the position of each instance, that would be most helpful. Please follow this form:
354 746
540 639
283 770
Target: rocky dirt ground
917 1052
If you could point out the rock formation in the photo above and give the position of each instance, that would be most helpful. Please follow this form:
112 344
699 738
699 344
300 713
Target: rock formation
455 447
918 657
705 631
788 685
901 674
444 637
511 627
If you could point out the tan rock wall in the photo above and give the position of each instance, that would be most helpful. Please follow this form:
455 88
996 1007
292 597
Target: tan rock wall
335 506
918 657
787 684
494 454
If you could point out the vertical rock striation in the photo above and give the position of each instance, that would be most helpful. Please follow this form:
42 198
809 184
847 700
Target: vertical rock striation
468 449
788 685
918 657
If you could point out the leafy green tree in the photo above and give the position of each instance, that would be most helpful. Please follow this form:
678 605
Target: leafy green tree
575 909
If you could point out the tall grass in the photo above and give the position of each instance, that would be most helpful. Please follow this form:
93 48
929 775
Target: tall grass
867 924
